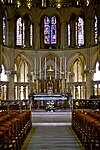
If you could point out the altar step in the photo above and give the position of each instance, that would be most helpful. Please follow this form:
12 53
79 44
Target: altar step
51 118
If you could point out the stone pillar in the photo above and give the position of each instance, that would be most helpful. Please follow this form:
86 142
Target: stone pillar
73 36
10 75
30 79
27 33
92 31
89 80
11 31
37 35
18 88
87 31
63 35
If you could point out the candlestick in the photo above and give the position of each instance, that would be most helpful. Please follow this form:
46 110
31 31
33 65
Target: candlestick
55 69
35 67
40 68
60 66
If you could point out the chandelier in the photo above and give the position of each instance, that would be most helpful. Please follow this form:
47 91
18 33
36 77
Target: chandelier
50 3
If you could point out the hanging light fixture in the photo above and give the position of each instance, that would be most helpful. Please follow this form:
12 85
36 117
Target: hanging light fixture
18 3
50 3
29 3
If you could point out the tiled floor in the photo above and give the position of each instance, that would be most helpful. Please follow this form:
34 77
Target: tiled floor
51 138
51 131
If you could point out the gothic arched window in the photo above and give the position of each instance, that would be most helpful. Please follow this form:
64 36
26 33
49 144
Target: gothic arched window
3 74
97 73
50 30
4 30
20 32
68 34
31 35
77 71
80 32
96 29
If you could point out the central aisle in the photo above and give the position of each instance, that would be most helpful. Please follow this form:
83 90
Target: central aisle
51 138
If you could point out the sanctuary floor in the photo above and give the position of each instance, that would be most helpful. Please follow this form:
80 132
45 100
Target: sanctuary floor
51 131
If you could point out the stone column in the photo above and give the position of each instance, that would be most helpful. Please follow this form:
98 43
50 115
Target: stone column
11 31
10 75
27 33
89 80
37 35
30 79
92 31
87 31
73 36
63 35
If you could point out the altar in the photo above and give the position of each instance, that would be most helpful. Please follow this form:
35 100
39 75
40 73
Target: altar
60 101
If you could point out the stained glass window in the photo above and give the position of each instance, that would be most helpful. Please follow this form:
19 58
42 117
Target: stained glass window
50 30
68 34
20 35
4 30
80 32
96 29
31 34
3 74
97 74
